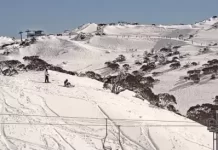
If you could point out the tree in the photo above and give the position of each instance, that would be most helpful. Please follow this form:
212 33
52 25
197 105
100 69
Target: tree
145 54
200 113
21 38
180 36
112 65
213 76
175 65
195 78
120 58
146 93
194 63
148 67
117 85
166 99
191 36
126 67
137 62
146 60
164 49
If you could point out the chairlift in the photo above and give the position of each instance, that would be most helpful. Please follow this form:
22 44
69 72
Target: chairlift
103 144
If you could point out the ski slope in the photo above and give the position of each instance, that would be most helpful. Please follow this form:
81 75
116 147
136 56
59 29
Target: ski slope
87 28
138 30
5 40
38 121
206 24
37 110
131 41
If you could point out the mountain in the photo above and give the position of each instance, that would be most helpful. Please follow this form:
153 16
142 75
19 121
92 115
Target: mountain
50 116
205 24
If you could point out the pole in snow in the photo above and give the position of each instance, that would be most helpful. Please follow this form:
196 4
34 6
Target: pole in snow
213 126
120 137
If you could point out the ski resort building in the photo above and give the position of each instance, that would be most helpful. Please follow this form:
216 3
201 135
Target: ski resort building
35 33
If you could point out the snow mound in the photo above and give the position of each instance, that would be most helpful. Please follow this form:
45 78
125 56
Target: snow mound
134 30
206 24
123 44
5 40
40 123
176 26
87 28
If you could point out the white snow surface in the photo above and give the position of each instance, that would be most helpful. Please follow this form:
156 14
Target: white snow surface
206 24
40 124
176 26
87 28
5 40
26 94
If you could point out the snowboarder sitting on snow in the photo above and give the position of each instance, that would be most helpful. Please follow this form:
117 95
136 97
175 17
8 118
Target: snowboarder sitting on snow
46 76
66 83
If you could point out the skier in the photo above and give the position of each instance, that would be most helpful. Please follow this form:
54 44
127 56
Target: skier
66 83
46 76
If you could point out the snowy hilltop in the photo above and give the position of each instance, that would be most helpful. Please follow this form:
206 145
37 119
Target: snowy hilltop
131 87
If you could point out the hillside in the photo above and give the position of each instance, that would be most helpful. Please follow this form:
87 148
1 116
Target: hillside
163 52
32 102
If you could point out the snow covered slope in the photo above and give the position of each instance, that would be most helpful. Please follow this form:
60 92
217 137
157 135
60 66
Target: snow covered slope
206 24
87 28
5 40
26 94
33 118
139 30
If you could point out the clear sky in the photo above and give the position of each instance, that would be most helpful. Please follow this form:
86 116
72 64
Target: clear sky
55 16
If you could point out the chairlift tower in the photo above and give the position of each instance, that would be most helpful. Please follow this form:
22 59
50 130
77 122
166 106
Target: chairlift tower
213 126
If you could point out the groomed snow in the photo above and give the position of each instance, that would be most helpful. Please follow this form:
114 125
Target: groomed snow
87 28
26 94
5 40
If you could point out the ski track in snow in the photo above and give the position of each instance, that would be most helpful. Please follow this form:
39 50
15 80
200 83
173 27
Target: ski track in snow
25 96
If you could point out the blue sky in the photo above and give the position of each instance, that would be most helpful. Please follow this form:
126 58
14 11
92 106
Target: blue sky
55 16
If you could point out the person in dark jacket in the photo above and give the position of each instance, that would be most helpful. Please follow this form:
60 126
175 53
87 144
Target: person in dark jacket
46 76
66 83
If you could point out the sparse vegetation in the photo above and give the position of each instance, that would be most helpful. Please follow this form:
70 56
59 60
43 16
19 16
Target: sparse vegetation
28 42
126 67
120 58
191 36
146 60
5 45
112 65
137 62
175 65
187 65
9 72
213 76
200 113
166 99
155 73
93 75
37 64
175 59
148 67
195 78
194 64
166 50
10 67
209 70
180 36
204 50
194 75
